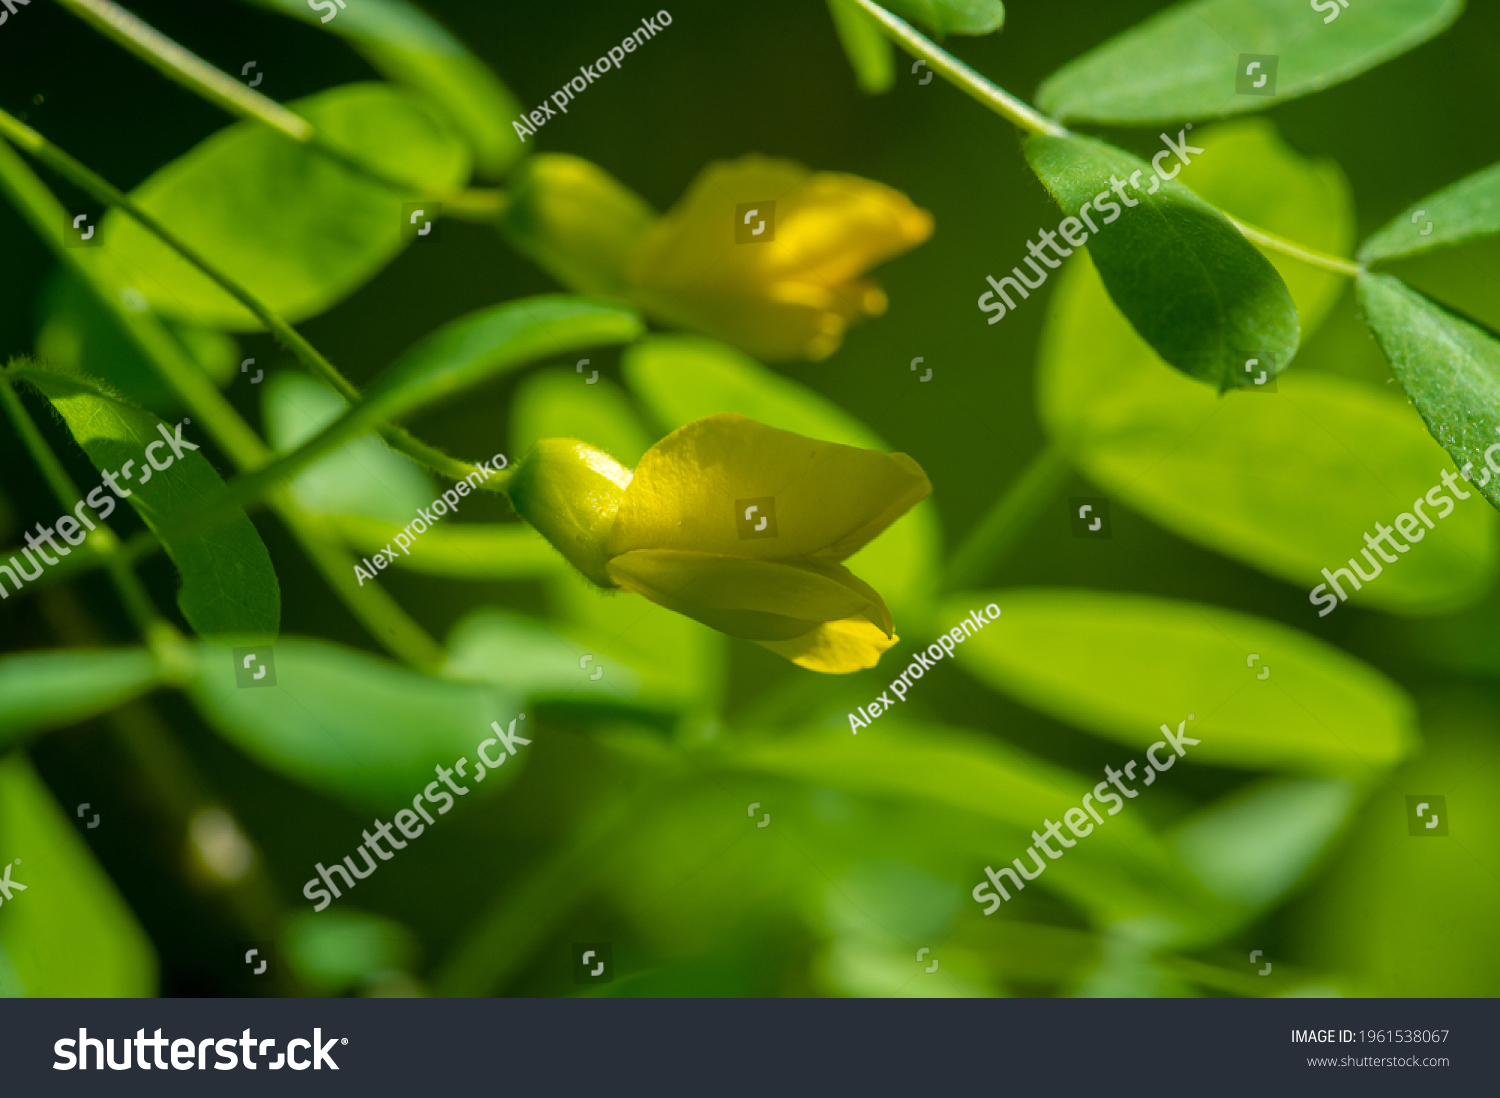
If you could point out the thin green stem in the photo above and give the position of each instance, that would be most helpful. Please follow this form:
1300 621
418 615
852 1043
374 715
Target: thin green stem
960 75
158 633
102 190
1007 519
1297 251
1033 121
218 87
384 619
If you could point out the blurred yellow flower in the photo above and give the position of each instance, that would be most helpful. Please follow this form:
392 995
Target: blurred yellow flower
760 253
793 286
735 524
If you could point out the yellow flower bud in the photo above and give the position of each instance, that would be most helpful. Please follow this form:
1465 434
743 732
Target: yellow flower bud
734 524
570 492
792 287
576 221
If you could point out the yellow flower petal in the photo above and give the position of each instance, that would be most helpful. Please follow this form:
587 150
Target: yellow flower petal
570 492
835 647
774 298
690 493
757 600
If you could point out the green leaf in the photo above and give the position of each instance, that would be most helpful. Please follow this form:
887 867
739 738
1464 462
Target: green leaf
40 691
1120 871
354 726
468 550
1120 666
870 53
229 586
363 478
485 344
683 378
1449 367
952 16
1183 62
76 331
405 43
1189 282
1248 474
1247 171
1253 846
293 226
69 934
1466 210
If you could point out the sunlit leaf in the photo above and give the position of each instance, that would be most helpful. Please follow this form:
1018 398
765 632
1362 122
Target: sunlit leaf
531 660
407 44
1189 282
494 341
683 378
870 53
354 726
1184 62
290 224
40 691
1449 367
1247 474
69 934
229 586
1121 666
1463 211
334 951
1254 846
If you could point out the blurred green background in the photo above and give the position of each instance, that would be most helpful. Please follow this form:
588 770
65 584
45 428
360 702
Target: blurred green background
619 829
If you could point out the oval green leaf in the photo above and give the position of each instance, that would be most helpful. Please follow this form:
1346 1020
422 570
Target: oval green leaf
290 224
229 586
40 691
406 44
352 725
684 378
1449 367
869 51
1288 482
1464 211
1190 283
1121 666
1190 61
952 16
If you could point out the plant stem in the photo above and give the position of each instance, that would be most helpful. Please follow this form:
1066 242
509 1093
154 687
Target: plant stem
384 619
1030 119
1296 251
960 75
102 190
1007 519
218 87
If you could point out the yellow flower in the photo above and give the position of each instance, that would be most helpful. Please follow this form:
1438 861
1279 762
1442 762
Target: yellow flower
735 524
790 289
793 288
